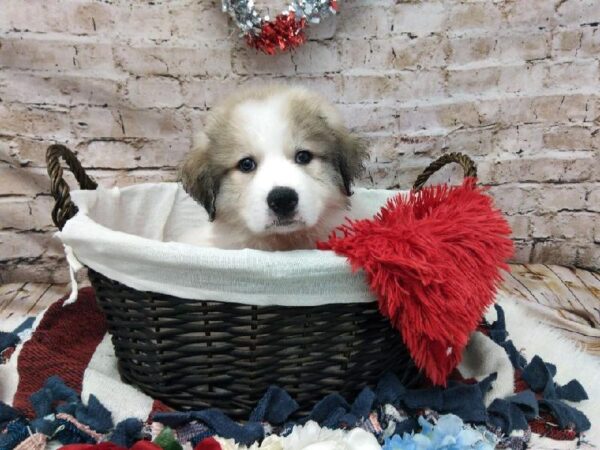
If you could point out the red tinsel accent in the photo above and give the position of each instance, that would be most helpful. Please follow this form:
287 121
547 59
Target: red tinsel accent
433 260
284 33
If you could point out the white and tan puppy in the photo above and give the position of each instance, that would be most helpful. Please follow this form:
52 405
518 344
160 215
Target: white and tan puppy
273 168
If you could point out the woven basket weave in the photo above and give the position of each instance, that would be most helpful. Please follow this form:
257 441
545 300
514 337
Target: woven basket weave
196 354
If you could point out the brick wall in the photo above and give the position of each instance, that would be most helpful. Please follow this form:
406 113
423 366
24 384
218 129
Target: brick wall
514 83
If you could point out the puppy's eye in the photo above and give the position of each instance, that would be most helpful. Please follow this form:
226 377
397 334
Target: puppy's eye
247 165
303 157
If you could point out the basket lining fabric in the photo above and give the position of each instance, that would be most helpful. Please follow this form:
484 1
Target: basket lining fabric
130 235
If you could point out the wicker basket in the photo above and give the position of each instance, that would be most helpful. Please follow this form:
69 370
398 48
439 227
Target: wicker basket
196 354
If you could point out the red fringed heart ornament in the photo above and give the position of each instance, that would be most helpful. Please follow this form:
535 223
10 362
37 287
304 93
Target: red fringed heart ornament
433 258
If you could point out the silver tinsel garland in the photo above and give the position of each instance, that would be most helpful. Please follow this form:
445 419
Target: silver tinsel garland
250 21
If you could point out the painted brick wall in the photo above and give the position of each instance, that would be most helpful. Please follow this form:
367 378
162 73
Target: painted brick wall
514 83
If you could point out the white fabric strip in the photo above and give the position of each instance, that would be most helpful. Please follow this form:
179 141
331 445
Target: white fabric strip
74 267
101 378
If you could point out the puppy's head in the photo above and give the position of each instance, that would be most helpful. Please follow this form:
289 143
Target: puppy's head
273 161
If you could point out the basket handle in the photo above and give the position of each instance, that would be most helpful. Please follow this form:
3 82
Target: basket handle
64 207
467 164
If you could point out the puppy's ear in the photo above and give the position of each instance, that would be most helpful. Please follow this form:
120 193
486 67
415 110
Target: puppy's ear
199 177
351 151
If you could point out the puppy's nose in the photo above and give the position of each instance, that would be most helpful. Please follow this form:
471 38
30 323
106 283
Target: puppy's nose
282 200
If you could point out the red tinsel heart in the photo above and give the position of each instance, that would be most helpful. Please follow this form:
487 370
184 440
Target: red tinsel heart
284 33
433 259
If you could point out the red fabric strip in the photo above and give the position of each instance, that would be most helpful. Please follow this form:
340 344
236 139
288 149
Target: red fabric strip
62 345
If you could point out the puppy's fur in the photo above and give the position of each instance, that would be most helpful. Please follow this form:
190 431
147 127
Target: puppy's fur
270 125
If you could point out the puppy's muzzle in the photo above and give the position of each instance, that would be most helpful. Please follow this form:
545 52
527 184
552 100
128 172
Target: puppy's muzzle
282 201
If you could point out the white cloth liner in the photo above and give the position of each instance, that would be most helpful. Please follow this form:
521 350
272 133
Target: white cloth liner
130 235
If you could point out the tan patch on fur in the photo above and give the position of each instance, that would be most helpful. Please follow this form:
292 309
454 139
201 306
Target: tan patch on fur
319 123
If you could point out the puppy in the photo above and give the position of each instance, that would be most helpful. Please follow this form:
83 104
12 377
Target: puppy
273 169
